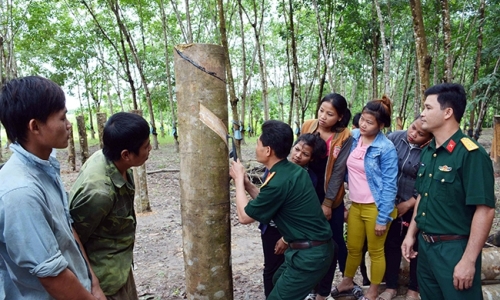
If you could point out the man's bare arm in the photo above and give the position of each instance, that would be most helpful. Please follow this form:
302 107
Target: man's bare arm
65 286
96 288
251 189
409 241
238 173
463 274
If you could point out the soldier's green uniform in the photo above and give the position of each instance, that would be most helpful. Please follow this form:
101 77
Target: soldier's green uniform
452 180
102 207
288 198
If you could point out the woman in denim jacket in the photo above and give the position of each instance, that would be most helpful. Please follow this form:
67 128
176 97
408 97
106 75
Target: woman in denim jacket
372 167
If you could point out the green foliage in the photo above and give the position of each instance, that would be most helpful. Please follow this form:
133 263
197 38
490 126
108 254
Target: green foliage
82 52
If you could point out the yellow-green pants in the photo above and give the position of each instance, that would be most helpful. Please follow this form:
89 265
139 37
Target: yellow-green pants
361 224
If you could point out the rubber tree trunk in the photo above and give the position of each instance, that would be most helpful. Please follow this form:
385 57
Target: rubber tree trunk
84 146
204 177
101 120
71 150
495 145
141 197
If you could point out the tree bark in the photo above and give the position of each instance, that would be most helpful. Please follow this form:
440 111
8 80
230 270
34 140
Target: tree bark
387 51
179 20
477 65
244 76
484 104
115 7
417 103
168 74
404 97
82 133
257 26
107 79
1 58
101 120
141 197
423 59
189 32
324 47
292 54
71 150
204 172
495 155
374 58
89 109
435 53
230 81
122 59
448 65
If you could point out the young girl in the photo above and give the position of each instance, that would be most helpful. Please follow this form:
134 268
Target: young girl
307 148
333 118
408 144
372 173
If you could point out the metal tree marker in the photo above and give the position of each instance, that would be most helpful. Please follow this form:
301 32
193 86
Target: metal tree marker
204 172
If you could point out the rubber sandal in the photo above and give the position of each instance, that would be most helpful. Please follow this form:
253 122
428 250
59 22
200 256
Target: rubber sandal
310 297
357 291
336 293
385 295
411 298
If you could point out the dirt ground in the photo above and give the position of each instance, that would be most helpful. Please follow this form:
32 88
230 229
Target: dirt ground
159 264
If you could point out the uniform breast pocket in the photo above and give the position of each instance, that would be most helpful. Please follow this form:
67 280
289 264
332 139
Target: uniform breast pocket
445 183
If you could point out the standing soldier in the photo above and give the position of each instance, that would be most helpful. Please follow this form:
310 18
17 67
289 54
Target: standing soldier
455 209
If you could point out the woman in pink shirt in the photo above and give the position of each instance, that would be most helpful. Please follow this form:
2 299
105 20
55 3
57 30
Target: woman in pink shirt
372 168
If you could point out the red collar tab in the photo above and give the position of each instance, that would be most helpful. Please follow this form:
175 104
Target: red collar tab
451 145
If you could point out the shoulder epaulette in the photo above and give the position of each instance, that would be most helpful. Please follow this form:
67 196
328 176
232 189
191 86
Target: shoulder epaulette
269 176
469 144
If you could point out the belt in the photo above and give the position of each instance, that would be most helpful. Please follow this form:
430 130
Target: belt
431 238
305 244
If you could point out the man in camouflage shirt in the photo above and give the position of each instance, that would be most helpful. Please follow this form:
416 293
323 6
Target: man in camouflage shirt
102 203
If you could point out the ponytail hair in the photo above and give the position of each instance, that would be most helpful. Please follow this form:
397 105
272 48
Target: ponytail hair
340 104
381 109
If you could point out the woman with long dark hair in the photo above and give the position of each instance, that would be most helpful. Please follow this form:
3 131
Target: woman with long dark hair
331 125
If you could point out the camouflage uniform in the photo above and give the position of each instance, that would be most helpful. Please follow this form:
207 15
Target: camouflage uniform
102 207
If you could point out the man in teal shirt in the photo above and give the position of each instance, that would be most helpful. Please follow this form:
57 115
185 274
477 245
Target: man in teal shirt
102 203
455 208
288 198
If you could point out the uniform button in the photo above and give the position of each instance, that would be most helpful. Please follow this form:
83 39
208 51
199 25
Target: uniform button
426 194
442 180
420 175
430 175
423 214
434 155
